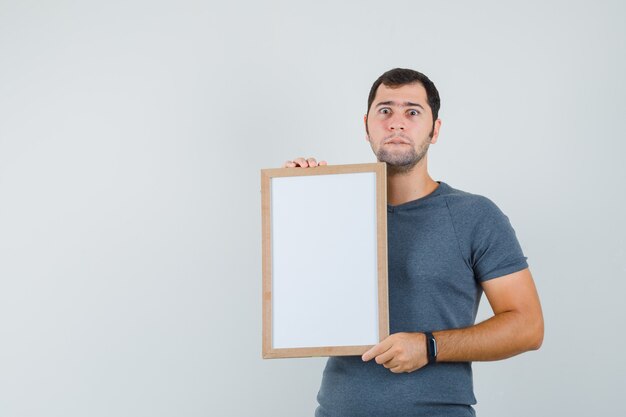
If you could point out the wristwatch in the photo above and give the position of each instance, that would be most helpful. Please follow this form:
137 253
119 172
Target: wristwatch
431 347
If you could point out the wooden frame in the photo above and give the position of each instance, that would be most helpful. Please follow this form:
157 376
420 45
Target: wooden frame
271 180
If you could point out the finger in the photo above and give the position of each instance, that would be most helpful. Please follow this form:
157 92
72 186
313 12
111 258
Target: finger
312 162
301 162
386 357
393 363
289 164
323 163
382 347
397 370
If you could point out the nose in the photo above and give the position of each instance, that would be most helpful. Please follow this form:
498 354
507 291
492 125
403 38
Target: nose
396 124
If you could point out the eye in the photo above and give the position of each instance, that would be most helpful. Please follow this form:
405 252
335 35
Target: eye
413 112
385 110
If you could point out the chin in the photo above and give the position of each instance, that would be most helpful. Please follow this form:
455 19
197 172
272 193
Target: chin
407 160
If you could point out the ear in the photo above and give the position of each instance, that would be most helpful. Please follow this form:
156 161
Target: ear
367 133
436 131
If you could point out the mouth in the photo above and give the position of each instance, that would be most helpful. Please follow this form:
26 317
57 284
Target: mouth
397 141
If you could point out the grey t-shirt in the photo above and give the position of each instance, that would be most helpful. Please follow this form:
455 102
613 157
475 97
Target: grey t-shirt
440 248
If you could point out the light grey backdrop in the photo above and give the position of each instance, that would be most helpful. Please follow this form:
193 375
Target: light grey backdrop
131 138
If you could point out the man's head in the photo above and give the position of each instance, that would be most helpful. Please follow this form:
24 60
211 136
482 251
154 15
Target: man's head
402 118
398 77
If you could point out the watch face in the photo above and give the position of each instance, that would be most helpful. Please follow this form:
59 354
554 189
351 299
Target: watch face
432 344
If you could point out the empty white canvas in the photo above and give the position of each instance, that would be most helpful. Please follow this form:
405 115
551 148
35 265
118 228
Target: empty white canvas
324 260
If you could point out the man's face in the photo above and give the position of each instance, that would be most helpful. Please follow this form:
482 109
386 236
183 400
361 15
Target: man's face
400 125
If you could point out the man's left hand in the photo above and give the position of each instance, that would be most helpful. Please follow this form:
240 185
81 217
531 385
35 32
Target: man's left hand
400 352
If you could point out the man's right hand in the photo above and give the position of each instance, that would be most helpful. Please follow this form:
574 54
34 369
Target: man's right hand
303 163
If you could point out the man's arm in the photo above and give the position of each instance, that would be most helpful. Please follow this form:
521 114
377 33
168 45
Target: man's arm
516 327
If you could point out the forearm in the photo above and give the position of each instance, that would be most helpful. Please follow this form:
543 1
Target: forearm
504 335
516 327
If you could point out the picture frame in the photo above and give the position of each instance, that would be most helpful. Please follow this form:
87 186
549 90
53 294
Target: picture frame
324 251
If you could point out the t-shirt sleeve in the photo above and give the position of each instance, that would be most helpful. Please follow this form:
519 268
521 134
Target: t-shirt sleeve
494 248
486 238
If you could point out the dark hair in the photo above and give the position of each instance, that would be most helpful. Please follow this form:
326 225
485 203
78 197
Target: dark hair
398 77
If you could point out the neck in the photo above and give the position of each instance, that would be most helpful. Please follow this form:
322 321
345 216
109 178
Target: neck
410 185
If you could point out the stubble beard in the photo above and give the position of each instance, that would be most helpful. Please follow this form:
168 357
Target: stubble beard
402 162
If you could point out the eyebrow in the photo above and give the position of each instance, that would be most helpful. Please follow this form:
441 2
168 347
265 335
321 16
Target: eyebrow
405 104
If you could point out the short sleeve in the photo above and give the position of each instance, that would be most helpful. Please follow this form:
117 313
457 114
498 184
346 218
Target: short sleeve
494 248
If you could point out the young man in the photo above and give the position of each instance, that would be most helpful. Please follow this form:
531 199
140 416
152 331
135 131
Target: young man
445 247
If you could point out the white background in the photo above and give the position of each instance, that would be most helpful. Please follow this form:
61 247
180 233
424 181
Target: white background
131 138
